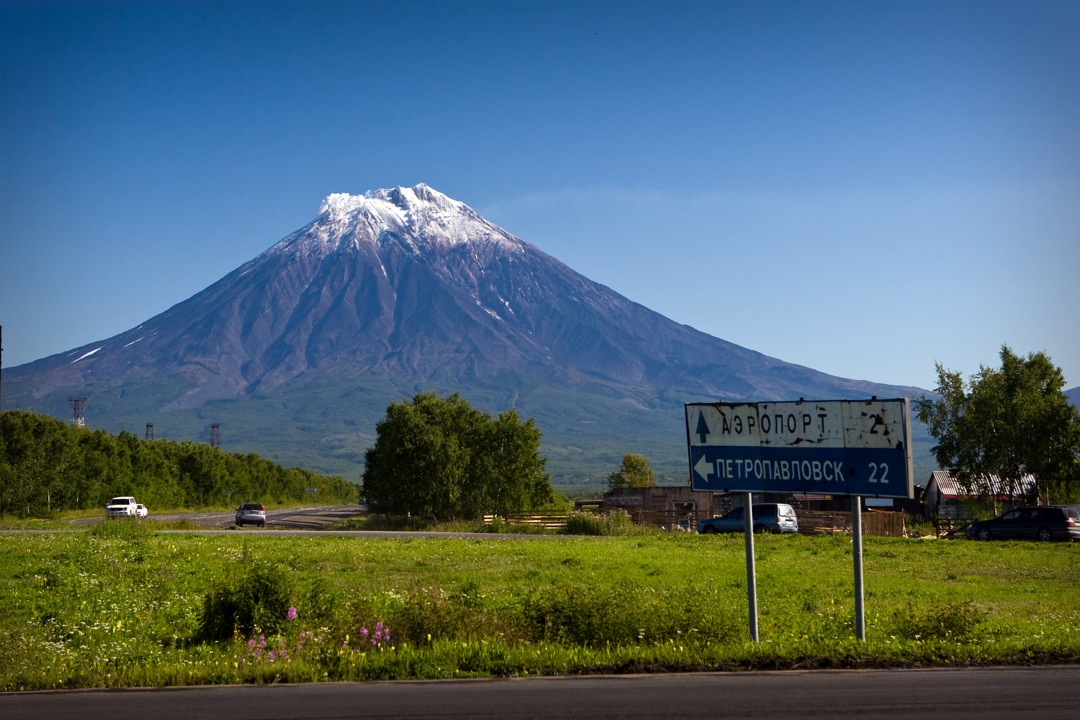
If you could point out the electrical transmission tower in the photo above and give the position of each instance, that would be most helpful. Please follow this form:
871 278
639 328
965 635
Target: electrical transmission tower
215 435
149 431
77 405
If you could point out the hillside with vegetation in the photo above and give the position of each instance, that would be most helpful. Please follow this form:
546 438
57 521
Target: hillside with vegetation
47 466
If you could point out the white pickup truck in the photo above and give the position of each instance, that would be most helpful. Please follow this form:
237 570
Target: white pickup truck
124 506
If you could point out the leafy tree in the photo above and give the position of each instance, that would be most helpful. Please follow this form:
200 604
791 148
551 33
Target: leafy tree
1007 422
440 457
47 465
513 471
633 472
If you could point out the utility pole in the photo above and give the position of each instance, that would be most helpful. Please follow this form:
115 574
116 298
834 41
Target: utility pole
77 405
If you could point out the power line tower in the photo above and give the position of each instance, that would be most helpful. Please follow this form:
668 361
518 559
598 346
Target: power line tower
149 431
77 405
215 435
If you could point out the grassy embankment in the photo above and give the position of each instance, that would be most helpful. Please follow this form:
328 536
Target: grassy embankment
123 605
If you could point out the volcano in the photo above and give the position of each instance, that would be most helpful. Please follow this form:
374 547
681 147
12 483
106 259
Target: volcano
297 353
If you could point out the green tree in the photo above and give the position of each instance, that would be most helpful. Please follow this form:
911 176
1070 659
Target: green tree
512 471
633 472
47 465
1007 422
442 458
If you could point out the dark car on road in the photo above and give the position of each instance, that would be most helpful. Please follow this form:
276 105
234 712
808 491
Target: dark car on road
768 517
251 514
1046 522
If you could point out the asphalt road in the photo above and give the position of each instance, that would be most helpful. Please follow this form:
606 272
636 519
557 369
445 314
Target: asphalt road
1045 693
300 518
292 522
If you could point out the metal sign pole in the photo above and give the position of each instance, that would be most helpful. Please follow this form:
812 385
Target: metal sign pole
856 551
751 574
854 448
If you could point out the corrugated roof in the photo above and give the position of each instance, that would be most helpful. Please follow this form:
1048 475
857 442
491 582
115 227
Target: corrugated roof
949 486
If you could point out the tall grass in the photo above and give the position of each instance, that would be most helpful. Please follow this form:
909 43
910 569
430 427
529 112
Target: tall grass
122 605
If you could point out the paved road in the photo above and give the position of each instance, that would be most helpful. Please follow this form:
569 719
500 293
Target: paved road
293 522
1045 693
302 518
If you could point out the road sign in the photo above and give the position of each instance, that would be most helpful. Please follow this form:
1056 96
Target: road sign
833 447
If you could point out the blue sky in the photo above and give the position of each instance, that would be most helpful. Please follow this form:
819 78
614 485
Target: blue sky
865 188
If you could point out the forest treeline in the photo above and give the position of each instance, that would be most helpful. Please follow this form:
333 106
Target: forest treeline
47 466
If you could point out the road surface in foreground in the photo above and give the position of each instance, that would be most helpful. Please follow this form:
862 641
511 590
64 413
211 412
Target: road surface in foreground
1046 693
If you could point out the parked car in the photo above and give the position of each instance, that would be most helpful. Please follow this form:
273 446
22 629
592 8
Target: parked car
768 517
123 506
140 510
251 514
1046 522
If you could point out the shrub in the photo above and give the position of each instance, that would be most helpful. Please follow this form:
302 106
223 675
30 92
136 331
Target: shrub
627 615
587 523
947 622
259 600
131 529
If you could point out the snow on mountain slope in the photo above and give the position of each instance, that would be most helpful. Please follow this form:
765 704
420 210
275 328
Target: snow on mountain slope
414 287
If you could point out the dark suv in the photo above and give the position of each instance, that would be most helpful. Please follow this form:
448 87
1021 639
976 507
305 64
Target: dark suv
1047 522
768 517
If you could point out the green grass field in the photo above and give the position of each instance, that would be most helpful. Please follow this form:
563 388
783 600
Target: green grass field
125 605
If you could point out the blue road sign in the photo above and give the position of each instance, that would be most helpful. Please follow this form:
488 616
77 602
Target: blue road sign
836 447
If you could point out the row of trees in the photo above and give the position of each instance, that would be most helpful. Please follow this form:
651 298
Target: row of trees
1007 423
47 466
442 458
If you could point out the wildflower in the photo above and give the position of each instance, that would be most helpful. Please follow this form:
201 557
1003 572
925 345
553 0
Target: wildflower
270 656
291 615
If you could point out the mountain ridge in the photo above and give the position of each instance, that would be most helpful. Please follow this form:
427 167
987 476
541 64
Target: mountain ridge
407 288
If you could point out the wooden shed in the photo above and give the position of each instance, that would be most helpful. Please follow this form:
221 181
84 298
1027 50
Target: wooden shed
947 498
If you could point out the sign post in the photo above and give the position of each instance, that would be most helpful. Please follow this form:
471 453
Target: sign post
859 448
856 554
751 570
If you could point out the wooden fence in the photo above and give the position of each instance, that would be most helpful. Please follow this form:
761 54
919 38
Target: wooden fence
874 522
555 521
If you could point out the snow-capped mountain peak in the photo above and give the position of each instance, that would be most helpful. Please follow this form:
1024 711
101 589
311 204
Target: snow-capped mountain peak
404 289
418 213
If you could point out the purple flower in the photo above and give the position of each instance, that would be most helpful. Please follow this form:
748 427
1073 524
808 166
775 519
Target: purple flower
270 656
291 615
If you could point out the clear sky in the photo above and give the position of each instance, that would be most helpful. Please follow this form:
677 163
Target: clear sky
865 188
